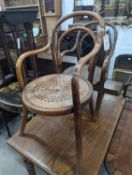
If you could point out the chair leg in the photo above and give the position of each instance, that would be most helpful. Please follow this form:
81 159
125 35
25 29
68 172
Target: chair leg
78 138
78 125
30 167
6 124
99 98
24 121
91 106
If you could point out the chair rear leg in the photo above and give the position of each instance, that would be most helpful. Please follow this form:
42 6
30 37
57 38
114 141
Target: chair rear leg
24 121
91 107
99 98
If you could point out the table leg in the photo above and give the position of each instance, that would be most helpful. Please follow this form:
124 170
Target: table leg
106 168
30 167
5 123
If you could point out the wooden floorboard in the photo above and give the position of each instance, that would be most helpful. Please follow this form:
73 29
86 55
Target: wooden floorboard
50 142
119 157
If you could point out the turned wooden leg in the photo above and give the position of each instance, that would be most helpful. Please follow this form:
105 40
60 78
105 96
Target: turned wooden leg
24 121
30 167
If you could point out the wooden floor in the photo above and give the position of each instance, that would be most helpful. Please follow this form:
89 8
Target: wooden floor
50 142
119 158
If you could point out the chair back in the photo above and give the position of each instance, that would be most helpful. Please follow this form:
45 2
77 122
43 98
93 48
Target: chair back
112 35
107 49
80 30
55 44
109 41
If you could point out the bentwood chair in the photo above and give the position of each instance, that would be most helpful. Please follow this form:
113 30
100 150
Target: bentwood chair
58 94
96 72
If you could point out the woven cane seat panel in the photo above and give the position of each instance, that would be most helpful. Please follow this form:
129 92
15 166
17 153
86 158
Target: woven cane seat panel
53 93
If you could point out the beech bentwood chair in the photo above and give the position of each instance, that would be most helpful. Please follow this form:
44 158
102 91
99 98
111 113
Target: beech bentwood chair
58 94
96 72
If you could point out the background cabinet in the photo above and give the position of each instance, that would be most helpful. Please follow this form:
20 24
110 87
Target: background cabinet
51 10
15 5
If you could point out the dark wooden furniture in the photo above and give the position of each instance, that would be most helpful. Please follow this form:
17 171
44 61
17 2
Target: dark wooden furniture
100 63
10 100
51 11
10 32
81 6
7 67
114 8
50 142
119 157
26 8
60 94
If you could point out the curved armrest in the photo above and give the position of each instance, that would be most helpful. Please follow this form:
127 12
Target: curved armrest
19 64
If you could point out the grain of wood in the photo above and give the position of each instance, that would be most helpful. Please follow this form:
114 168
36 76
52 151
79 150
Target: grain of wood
50 142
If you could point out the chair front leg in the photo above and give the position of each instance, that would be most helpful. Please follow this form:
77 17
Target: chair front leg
91 107
24 120
78 123
78 136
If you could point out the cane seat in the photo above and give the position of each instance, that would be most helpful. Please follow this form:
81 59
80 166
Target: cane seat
52 95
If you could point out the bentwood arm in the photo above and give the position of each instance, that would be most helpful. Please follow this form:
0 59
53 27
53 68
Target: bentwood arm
19 64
